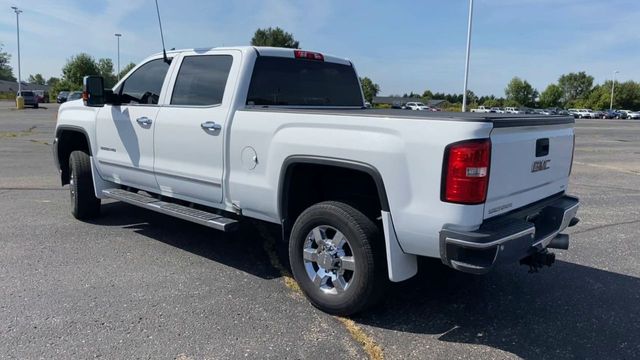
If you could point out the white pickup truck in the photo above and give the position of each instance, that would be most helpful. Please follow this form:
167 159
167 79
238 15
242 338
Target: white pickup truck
281 135
483 109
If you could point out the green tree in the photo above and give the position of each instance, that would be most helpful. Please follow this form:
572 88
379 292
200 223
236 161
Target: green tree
105 69
427 95
521 92
551 96
491 102
6 71
126 69
575 86
627 95
77 67
599 97
63 85
36 79
52 81
274 37
511 103
472 98
369 88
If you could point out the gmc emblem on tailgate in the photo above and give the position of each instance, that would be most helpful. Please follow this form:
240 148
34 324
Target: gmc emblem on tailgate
540 165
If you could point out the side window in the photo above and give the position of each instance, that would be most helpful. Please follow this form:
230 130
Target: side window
144 85
201 80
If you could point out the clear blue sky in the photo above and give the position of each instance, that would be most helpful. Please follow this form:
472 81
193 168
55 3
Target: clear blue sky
402 45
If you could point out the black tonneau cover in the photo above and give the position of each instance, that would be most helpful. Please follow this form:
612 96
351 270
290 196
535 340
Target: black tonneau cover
498 120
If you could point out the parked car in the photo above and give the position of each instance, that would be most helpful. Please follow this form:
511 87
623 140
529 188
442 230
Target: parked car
416 106
221 149
633 115
497 110
584 114
42 96
29 98
74 95
609 114
397 105
483 109
62 97
513 110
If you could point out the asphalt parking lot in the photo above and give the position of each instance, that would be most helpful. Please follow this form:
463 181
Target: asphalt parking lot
136 284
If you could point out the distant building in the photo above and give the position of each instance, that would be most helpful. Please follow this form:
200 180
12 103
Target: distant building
12 86
395 100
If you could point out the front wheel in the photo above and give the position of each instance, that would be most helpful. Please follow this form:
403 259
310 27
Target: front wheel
337 258
84 203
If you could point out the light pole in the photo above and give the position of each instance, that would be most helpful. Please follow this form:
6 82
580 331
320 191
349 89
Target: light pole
466 66
18 11
613 86
118 37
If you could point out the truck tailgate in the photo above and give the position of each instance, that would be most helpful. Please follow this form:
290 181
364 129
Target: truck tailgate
528 163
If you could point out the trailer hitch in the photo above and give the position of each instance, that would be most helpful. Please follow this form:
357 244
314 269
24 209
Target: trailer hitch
538 260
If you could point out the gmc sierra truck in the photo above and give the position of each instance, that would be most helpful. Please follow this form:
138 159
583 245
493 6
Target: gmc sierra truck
215 135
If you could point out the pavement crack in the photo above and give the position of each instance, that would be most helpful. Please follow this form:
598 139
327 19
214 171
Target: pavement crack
6 189
14 134
367 342
606 226
600 186
614 168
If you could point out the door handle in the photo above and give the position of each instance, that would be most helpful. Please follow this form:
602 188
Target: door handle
210 125
145 121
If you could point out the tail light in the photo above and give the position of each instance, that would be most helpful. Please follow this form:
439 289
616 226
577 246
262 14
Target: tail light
466 172
301 54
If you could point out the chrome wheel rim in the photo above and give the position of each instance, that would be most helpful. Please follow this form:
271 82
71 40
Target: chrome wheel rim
328 260
72 186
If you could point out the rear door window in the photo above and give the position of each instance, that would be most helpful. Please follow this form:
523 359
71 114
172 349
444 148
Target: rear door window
302 82
201 80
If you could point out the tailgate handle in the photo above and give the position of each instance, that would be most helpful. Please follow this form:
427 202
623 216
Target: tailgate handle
542 147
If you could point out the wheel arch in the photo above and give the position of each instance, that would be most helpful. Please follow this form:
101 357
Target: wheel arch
287 174
68 139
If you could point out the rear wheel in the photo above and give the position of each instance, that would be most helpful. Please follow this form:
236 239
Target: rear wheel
84 203
336 257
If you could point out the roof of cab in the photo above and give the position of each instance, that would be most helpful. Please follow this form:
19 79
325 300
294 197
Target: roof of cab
262 51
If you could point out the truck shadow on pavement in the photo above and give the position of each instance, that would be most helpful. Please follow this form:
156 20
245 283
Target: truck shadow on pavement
566 311
242 250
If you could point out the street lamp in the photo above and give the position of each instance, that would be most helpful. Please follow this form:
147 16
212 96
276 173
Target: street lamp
466 67
613 86
18 11
118 37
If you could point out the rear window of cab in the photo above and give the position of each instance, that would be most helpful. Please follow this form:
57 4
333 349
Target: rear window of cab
281 81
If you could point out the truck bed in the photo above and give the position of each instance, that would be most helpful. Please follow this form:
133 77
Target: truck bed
498 120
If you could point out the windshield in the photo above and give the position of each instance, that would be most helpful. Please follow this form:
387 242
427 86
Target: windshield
301 82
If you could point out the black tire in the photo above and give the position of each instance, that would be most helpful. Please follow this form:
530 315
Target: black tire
35 106
84 204
364 245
